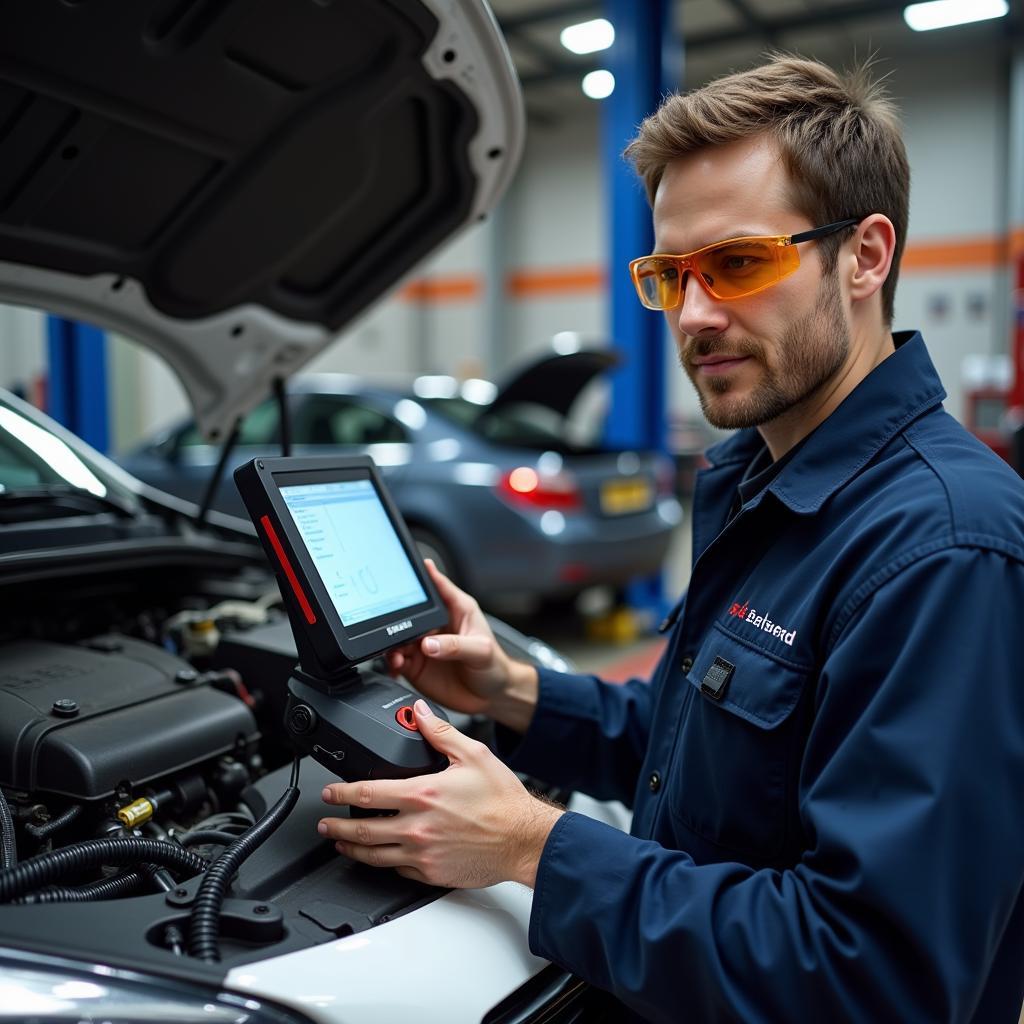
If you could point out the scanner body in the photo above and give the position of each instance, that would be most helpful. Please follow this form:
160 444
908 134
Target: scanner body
354 587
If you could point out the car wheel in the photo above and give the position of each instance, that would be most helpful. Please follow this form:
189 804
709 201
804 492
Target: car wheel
431 546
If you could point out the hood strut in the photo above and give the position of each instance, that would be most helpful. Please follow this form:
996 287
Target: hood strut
211 487
232 440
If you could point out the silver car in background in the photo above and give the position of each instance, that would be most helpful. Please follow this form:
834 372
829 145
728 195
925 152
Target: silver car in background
496 484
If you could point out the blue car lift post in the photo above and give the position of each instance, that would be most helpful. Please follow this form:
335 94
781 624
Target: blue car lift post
76 390
646 60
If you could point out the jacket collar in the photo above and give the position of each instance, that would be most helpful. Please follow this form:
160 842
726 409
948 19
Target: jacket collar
895 393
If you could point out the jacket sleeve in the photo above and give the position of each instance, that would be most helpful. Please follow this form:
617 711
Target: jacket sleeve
586 735
910 886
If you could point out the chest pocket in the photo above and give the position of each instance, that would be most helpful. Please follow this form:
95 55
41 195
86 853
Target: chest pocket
733 782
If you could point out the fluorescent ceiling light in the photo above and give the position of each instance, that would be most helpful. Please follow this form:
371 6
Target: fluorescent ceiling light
944 13
589 36
599 84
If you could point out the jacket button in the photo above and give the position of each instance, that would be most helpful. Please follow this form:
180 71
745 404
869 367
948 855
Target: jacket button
654 782
686 664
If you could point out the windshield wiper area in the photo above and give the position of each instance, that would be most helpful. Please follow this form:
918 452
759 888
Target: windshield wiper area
62 498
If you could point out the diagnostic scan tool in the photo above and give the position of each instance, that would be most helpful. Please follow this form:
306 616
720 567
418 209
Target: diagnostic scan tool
354 587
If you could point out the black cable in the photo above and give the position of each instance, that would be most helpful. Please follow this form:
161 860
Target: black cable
8 841
206 835
282 416
108 889
159 878
204 922
218 473
38 871
47 828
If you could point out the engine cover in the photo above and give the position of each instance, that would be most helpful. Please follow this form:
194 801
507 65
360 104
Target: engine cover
77 720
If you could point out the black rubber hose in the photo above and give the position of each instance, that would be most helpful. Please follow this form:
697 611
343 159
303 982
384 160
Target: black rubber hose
204 922
207 835
107 889
8 842
47 828
38 871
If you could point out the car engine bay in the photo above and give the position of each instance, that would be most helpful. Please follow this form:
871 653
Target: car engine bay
143 703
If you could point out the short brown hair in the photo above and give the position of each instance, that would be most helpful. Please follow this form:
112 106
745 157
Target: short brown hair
839 135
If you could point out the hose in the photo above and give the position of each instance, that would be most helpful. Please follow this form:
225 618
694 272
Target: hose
204 922
91 853
8 842
47 828
206 835
107 889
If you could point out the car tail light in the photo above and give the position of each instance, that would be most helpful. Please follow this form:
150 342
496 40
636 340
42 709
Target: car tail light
525 487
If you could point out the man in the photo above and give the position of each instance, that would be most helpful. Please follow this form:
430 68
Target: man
826 770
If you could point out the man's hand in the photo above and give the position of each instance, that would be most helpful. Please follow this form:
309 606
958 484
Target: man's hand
470 826
466 669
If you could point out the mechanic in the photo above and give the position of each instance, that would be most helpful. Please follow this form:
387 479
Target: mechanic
826 769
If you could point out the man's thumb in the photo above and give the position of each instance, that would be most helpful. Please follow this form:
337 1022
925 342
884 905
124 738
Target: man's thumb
441 735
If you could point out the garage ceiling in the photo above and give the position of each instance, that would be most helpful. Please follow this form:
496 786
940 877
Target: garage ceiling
721 35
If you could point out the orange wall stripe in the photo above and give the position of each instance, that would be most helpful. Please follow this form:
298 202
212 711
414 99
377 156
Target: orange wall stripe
1017 243
970 252
443 289
979 253
554 282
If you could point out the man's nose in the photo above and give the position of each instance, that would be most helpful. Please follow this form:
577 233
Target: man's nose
699 311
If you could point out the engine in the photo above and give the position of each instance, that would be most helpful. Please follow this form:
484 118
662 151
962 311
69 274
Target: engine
115 734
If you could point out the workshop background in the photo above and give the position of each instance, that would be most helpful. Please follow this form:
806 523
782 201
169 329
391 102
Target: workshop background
542 273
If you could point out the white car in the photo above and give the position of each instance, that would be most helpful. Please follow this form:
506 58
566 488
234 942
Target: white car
229 184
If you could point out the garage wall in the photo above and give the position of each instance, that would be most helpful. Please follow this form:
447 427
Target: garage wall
544 254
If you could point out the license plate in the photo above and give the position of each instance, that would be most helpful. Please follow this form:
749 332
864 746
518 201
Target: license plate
621 496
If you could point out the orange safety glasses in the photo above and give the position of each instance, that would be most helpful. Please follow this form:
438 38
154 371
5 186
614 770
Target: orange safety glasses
731 269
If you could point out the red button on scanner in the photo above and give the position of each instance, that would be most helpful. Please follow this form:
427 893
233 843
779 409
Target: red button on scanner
405 717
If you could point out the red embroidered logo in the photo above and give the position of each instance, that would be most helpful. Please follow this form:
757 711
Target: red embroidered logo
762 621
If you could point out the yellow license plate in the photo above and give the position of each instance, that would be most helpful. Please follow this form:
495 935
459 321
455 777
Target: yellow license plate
621 496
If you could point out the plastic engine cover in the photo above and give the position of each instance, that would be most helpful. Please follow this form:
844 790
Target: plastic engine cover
78 720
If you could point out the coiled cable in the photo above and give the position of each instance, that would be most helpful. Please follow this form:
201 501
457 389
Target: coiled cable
47 828
206 835
125 884
38 871
204 921
8 841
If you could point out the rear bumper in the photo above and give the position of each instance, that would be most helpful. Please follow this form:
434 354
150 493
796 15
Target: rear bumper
559 556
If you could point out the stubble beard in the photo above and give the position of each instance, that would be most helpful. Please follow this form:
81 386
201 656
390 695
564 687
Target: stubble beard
812 352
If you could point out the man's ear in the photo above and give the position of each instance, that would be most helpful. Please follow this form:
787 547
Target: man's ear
871 251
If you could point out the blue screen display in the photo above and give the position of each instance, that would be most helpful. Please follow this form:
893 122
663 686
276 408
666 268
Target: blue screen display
355 548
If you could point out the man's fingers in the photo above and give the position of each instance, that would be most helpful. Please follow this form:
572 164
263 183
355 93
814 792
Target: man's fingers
361 831
448 591
379 795
442 735
475 651
375 856
415 874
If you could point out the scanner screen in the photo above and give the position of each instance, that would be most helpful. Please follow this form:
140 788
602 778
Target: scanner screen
355 548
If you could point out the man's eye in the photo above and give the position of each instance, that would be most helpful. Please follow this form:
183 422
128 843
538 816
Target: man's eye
669 274
737 262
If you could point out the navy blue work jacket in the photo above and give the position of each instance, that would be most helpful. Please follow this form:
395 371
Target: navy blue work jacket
827 769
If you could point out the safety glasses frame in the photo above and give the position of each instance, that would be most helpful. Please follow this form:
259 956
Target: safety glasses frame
787 262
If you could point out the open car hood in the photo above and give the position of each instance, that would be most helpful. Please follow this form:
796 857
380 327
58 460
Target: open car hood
555 380
230 182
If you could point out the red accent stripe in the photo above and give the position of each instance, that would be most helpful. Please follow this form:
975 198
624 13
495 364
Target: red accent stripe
288 570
